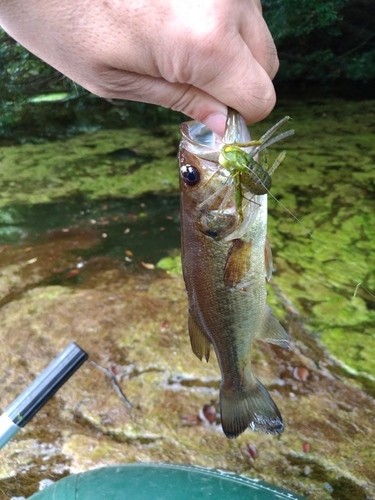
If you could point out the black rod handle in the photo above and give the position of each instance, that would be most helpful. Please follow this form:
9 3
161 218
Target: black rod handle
31 400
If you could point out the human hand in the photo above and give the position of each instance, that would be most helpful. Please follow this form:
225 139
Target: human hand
194 56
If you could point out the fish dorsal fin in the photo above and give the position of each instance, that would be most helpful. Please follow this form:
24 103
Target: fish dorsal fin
237 264
199 342
273 332
268 261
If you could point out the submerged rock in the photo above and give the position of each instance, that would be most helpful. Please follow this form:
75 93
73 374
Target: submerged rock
135 325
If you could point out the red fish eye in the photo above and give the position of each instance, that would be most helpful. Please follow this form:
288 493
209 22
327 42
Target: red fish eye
190 175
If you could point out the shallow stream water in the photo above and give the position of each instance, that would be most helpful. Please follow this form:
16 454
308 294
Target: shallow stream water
90 218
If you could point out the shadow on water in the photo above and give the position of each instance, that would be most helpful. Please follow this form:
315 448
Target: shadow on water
145 229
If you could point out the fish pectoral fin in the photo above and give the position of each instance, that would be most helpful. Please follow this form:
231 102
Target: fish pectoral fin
273 332
268 261
237 264
199 342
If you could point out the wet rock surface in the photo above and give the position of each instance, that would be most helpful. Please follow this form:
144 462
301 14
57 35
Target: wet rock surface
134 325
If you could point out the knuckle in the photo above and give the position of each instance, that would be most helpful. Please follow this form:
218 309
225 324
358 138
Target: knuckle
185 102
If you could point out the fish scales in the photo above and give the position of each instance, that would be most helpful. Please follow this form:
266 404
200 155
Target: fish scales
225 260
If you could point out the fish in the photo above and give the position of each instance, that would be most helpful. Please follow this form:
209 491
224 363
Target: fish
226 260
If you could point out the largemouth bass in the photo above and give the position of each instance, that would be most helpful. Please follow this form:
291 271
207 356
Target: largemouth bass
226 259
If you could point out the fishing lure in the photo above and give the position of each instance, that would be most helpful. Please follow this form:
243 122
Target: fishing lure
246 171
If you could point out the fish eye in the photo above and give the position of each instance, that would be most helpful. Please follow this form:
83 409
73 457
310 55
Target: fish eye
190 175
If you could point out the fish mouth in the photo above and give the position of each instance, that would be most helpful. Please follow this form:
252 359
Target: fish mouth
198 139
236 131
201 141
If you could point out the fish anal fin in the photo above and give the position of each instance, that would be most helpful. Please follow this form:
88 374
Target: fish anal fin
268 261
273 332
199 342
237 263
249 405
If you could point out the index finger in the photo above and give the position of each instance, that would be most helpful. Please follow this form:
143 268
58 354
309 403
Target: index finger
240 81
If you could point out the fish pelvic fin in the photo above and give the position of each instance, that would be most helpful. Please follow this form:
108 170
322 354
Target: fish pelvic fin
199 342
250 405
273 332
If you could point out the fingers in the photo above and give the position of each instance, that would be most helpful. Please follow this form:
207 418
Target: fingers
185 98
238 80
233 63
258 38
195 58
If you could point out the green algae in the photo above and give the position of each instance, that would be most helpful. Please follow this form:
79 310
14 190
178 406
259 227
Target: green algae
327 180
171 264
90 165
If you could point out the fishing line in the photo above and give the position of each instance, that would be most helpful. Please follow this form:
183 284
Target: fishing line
266 142
278 161
307 231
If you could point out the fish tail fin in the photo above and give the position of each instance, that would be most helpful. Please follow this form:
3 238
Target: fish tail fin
249 405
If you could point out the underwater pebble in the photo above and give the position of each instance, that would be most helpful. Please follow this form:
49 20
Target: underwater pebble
164 326
301 373
32 261
209 413
4 247
190 419
115 369
306 447
328 487
148 265
251 451
72 273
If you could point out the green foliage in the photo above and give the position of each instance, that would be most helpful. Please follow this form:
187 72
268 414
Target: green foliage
39 103
296 18
323 40
329 42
